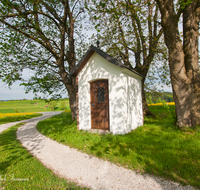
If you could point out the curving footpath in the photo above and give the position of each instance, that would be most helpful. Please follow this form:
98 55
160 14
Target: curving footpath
85 170
36 119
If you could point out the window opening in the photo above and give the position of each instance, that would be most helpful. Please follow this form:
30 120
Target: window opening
100 94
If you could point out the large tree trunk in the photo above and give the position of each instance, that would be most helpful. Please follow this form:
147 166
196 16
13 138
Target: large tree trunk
183 62
189 112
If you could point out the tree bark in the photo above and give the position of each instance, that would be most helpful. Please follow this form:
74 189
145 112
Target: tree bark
146 111
73 102
72 87
183 62
189 112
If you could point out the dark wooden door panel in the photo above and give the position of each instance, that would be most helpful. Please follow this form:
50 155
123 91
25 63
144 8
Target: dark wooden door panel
99 104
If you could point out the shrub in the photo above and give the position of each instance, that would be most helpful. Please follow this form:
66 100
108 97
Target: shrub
16 111
52 105
62 105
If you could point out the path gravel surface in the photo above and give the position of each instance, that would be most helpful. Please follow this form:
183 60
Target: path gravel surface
85 170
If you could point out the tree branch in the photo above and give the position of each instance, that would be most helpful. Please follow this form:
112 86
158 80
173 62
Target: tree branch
134 18
81 11
52 11
155 22
180 11
150 25
30 36
31 13
126 55
74 5
17 14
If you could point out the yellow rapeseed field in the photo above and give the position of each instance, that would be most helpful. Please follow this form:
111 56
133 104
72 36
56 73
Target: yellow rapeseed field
10 115
161 104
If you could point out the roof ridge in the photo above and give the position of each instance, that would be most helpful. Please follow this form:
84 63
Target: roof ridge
106 56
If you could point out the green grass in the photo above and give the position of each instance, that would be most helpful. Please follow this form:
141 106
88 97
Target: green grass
158 147
19 170
18 118
31 106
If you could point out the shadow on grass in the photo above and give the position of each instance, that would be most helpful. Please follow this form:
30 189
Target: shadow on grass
158 147
11 152
165 152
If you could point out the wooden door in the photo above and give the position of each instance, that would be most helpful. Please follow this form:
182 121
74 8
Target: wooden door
99 104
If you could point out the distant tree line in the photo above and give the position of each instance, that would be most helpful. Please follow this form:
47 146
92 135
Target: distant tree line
159 97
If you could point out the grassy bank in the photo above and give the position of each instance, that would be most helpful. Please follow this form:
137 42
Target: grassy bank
21 106
11 117
157 147
19 170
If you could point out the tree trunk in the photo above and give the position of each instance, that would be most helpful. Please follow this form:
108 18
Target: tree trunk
183 62
72 93
146 111
73 103
188 101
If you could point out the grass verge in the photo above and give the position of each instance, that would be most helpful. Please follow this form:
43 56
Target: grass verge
19 170
157 147
11 117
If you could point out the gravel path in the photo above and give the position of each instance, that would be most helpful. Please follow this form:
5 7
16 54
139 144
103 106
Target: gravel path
84 169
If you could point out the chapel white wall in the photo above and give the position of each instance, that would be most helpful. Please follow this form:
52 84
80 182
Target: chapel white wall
125 101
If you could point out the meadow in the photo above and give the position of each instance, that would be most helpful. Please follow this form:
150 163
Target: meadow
21 106
158 147
17 110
